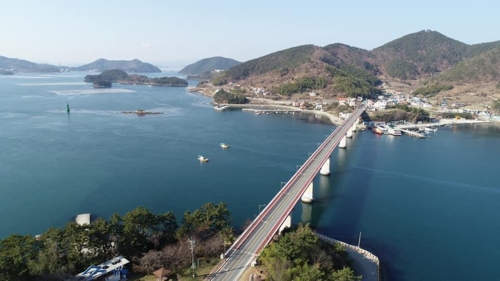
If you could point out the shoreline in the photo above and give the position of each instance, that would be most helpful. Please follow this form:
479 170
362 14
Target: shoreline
271 105
333 119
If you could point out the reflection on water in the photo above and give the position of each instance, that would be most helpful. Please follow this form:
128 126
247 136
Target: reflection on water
306 213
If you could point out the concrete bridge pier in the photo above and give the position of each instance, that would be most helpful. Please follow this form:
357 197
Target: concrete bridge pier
286 223
307 197
325 170
349 133
354 127
343 142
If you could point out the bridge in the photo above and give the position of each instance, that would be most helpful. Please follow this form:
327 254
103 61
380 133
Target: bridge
277 214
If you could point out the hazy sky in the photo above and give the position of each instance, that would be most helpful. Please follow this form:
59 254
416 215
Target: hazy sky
175 33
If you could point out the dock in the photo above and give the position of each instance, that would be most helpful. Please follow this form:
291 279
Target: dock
285 111
412 133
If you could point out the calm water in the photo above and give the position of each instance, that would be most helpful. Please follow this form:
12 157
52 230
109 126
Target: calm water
427 208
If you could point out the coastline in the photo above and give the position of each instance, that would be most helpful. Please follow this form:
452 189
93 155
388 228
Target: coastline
333 119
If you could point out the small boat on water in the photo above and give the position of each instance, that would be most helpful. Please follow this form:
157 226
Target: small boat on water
223 145
202 159
257 112
427 129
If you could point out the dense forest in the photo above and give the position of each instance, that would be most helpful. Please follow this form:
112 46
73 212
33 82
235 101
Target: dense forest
430 90
222 96
299 255
149 240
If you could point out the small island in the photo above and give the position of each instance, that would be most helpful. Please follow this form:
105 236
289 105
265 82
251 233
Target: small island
106 78
142 112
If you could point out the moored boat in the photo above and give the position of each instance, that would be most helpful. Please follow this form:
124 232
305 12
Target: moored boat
223 145
202 159
378 130
220 108
393 131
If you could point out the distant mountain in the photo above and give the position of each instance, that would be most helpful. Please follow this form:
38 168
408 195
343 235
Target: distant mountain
128 66
208 65
18 65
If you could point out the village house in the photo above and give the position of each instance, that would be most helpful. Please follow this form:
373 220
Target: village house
343 101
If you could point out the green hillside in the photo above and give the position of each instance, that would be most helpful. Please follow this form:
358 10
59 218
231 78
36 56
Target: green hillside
209 65
481 68
281 60
420 53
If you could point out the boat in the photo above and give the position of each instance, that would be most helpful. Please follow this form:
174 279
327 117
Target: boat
257 112
202 159
220 108
430 129
379 130
223 145
393 131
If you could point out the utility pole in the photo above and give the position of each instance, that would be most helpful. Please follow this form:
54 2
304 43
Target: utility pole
193 265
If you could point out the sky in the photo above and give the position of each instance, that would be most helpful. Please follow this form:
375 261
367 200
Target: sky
172 34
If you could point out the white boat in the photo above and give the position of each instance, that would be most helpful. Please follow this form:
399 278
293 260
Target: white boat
202 159
220 108
223 145
430 129
257 112
393 131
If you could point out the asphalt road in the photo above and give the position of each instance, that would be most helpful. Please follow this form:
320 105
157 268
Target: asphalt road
260 232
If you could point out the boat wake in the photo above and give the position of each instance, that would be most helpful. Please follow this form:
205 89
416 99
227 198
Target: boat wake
444 182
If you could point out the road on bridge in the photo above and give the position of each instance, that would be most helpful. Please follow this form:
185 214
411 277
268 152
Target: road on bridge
260 232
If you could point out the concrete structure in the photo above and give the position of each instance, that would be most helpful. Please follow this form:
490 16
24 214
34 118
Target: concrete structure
82 219
276 215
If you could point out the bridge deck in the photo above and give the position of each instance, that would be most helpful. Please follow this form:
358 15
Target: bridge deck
266 225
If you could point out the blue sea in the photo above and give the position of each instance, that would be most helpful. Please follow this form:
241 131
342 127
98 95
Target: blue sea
426 207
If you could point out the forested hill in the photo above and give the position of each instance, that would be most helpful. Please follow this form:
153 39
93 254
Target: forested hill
482 68
18 65
424 53
342 70
333 70
209 65
128 66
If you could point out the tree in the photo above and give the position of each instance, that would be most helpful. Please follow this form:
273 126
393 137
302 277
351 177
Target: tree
345 274
16 252
137 230
496 106
51 258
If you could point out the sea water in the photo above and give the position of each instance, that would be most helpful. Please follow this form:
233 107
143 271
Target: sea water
426 207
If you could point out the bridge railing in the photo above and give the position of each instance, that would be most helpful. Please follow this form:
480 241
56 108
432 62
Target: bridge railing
285 188
312 176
